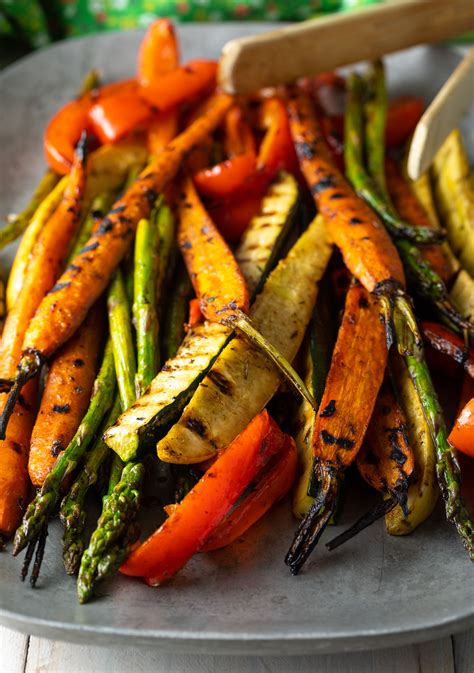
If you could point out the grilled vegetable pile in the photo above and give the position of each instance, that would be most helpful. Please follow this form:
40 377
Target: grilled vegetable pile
222 301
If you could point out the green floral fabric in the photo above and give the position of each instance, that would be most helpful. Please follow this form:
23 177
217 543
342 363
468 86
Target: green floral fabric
40 21
37 22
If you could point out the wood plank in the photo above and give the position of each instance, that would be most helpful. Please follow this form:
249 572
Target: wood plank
281 56
13 651
57 657
464 652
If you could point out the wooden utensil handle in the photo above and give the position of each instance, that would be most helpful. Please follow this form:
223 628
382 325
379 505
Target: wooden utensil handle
281 56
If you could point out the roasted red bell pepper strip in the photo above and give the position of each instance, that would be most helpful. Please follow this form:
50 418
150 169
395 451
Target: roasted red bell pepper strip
462 434
228 176
166 551
118 113
63 132
162 128
238 135
403 115
182 85
276 153
159 53
442 340
273 485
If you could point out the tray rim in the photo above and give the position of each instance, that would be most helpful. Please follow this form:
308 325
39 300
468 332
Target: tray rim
221 642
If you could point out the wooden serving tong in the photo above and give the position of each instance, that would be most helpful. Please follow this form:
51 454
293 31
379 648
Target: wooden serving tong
281 56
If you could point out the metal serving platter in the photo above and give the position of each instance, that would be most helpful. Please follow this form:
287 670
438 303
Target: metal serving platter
375 591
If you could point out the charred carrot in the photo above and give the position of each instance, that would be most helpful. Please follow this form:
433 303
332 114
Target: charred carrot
62 311
385 462
344 413
66 396
366 247
161 130
216 277
47 257
412 211
218 282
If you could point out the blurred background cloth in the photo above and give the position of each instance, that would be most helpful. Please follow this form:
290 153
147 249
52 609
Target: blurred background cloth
28 24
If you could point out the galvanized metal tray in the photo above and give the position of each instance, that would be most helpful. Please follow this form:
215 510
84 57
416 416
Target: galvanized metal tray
374 592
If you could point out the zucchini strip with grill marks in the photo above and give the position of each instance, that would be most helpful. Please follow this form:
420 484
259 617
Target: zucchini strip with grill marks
152 414
261 241
243 379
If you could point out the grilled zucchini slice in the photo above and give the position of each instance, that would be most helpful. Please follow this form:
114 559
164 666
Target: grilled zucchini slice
262 240
455 198
462 295
242 380
174 385
423 489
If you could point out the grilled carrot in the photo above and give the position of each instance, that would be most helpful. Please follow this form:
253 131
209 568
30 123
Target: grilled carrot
344 413
386 459
47 257
218 281
161 130
215 274
66 396
411 210
14 481
365 245
385 462
63 310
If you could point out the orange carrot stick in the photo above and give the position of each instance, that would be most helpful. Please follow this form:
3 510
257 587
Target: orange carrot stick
161 130
63 310
386 459
357 231
212 267
354 379
66 395
47 258
411 210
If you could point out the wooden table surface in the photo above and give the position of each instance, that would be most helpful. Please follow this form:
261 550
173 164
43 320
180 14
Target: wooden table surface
28 654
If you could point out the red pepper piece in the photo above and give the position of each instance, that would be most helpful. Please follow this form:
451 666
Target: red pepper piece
403 115
182 85
167 550
270 487
276 153
159 53
228 176
118 113
445 342
63 132
462 434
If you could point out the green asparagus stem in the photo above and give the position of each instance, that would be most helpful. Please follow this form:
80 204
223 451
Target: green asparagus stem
176 314
18 223
43 505
362 182
72 512
423 279
119 511
166 227
375 115
145 316
122 341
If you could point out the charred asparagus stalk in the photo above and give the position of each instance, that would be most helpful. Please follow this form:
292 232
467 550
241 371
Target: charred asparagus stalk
72 513
364 184
176 315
